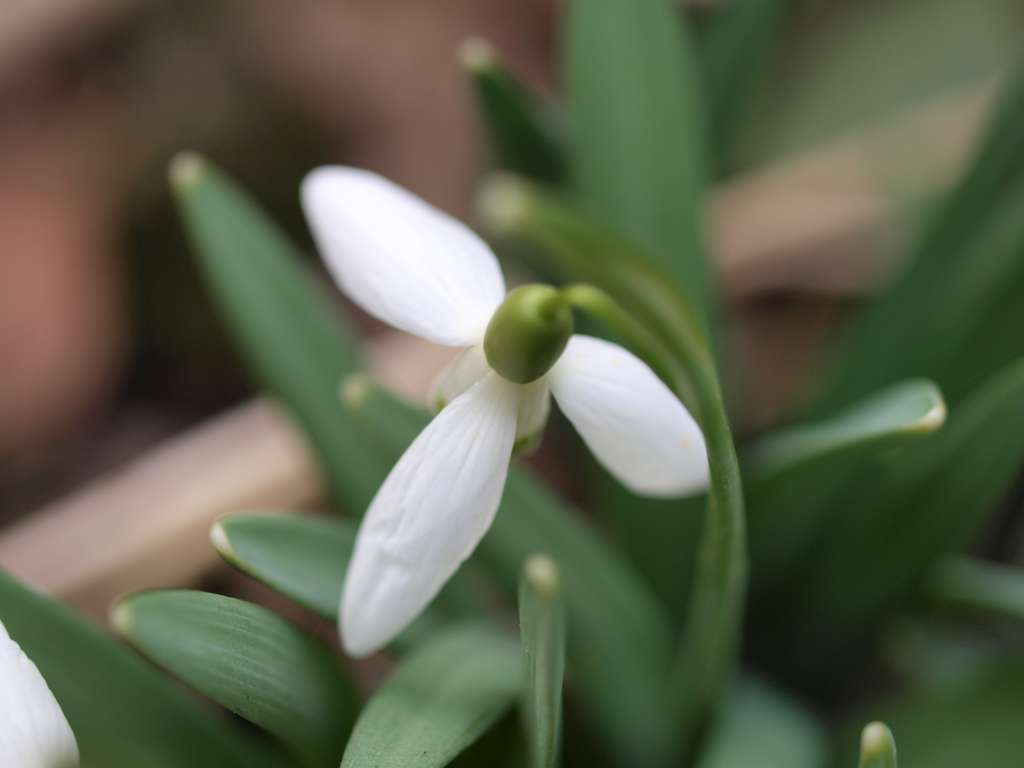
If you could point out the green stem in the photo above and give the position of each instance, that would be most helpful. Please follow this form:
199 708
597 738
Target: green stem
580 251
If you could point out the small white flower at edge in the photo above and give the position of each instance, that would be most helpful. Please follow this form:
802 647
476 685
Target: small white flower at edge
33 730
422 271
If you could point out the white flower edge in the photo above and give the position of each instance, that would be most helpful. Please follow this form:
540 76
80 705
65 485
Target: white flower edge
33 730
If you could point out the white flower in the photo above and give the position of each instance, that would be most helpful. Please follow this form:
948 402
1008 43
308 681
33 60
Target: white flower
422 271
33 731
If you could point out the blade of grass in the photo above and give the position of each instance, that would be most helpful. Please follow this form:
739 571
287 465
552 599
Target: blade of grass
248 660
542 631
522 133
285 330
735 51
877 747
439 700
987 589
971 249
118 707
639 158
305 558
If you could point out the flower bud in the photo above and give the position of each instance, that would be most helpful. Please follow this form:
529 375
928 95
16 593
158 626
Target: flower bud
527 333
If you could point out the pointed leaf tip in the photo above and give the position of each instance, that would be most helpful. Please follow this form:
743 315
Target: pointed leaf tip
186 170
877 746
502 203
477 54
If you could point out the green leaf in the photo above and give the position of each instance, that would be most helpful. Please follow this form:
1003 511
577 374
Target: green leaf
250 661
877 747
522 132
906 410
973 721
972 251
760 726
975 586
301 556
283 325
542 630
439 700
639 160
736 49
305 558
119 708
902 516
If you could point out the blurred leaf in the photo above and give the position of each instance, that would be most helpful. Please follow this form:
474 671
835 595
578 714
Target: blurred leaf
250 661
305 558
522 133
760 727
283 326
438 701
877 747
902 516
972 250
736 49
119 708
542 632
906 410
846 65
639 160
971 585
973 722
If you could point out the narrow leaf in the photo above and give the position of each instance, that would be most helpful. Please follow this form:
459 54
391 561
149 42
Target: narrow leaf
736 49
987 589
305 558
969 253
906 410
280 319
877 747
542 628
248 660
119 708
440 699
522 132
639 160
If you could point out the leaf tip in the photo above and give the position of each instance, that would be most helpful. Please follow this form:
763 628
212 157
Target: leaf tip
503 203
186 170
121 618
477 55
876 742
543 575
220 541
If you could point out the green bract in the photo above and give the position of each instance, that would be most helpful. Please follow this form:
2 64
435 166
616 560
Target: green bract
528 333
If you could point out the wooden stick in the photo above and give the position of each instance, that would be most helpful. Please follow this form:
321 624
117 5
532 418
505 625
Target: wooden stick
147 525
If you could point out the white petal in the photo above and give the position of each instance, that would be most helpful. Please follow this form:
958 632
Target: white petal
465 371
429 515
33 730
401 259
629 419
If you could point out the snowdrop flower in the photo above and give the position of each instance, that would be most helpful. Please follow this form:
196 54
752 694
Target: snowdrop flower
33 731
422 271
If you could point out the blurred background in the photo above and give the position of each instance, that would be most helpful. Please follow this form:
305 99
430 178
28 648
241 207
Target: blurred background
108 345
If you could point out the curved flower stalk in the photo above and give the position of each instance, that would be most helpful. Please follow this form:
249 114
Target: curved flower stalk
423 272
33 730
